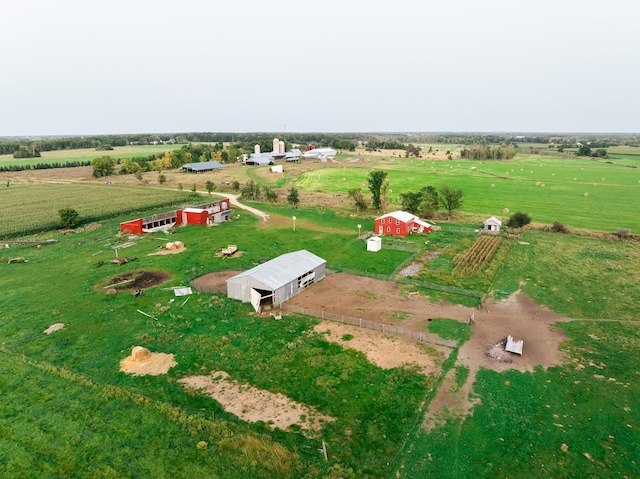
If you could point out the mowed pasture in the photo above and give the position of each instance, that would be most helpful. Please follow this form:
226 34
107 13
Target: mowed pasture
27 208
582 193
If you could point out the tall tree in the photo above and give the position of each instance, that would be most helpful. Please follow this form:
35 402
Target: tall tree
378 184
69 218
451 199
103 166
209 186
429 201
411 201
357 196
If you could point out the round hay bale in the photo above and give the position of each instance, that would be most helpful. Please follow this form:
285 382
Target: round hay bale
505 211
574 179
537 183
112 291
542 185
493 185
602 179
586 195
139 354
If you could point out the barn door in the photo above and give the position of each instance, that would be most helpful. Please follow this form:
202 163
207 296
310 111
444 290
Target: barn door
255 299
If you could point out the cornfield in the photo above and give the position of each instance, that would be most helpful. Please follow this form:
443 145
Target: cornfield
477 257
33 208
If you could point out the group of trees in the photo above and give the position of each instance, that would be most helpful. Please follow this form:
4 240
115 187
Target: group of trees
585 150
256 192
487 152
428 201
44 166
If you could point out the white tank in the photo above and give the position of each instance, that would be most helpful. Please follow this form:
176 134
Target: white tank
276 145
256 149
281 147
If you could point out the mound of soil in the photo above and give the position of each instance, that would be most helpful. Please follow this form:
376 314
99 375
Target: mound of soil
138 280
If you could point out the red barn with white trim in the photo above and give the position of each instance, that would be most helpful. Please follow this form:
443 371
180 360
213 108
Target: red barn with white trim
400 223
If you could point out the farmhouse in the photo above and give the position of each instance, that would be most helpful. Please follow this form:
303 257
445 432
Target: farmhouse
206 214
492 226
202 167
400 223
274 282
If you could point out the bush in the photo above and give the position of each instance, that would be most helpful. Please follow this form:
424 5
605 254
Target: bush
69 218
518 220
559 228
623 233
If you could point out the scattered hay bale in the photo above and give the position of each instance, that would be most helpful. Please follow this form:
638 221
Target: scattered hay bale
112 291
586 195
140 354
505 211
53 327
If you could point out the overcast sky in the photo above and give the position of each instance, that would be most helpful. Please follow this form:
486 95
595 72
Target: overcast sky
71 67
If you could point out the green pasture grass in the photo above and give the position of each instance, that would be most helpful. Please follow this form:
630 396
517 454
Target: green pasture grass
30 208
63 283
576 276
448 328
56 423
517 185
522 420
88 154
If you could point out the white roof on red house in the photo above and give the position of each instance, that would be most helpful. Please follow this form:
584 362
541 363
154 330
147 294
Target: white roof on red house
193 210
422 223
399 215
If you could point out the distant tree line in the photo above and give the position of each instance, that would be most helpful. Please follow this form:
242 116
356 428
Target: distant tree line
44 166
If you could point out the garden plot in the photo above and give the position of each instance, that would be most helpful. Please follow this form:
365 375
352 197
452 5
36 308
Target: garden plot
252 404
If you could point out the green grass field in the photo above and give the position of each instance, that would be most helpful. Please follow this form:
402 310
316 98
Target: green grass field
58 389
88 154
548 189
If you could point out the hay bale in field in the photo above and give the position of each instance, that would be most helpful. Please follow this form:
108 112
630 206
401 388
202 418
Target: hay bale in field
505 211
139 354
586 195
112 291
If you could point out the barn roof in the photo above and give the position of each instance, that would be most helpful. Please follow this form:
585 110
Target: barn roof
399 215
203 166
283 269
494 220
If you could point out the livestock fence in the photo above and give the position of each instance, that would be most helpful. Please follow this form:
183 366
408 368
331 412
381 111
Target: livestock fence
363 323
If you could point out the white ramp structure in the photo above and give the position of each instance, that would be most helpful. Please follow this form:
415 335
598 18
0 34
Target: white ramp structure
514 346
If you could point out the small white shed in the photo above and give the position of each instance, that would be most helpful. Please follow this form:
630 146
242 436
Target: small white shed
276 169
374 243
492 226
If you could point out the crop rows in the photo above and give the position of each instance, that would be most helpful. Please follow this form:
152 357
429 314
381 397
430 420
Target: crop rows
477 257
28 209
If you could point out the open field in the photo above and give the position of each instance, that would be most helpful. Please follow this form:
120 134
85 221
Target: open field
567 412
88 154
37 205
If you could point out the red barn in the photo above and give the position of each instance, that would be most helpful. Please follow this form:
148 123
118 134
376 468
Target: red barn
133 226
400 223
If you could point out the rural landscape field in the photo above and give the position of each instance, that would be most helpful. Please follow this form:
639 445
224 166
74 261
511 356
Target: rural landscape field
294 392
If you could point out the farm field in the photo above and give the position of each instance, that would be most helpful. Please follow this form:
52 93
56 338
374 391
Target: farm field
88 154
37 204
575 418
541 186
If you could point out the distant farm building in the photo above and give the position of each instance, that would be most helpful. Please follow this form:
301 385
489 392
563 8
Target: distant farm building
492 226
400 223
202 167
206 214
274 282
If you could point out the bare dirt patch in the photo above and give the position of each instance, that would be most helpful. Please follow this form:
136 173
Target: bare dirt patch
375 300
214 281
151 364
252 404
53 327
385 351
138 280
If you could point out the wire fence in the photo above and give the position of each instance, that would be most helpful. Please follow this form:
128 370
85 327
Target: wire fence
363 323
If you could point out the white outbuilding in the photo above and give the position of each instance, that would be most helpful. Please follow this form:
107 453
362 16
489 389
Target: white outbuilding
374 243
274 282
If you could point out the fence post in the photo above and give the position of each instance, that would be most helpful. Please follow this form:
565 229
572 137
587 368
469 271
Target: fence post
360 322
